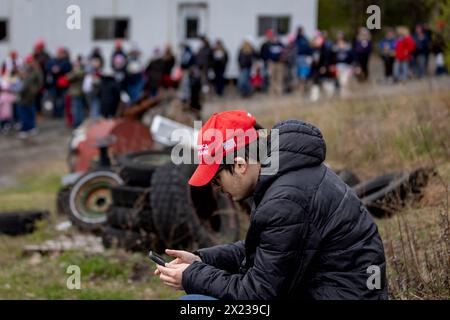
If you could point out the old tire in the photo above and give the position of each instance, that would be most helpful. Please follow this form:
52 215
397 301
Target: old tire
185 217
349 177
129 240
90 198
384 194
20 222
135 219
62 201
137 168
130 197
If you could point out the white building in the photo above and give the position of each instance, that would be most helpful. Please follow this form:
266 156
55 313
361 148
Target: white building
148 23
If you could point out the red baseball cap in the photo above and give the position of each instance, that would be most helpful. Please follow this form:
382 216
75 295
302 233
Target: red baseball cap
223 133
29 58
39 45
118 44
270 33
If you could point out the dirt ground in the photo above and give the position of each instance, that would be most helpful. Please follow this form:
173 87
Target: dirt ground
19 156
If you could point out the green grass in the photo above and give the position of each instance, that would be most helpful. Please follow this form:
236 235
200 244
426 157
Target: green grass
36 188
103 276
106 276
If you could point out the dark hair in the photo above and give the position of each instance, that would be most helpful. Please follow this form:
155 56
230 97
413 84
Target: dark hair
247 152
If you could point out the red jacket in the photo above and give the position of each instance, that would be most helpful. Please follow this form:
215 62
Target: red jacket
404 48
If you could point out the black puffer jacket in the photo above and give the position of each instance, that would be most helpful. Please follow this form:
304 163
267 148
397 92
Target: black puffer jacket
309 235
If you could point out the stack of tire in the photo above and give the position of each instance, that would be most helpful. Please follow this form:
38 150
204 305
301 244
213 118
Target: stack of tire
129 217
156 208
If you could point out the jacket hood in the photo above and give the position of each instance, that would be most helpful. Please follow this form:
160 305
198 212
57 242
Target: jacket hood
300 145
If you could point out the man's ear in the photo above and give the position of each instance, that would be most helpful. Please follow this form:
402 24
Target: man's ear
240 165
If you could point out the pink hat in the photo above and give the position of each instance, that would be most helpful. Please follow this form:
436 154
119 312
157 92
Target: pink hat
29 58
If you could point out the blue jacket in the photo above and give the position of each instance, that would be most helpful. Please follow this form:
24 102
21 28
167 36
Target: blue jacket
303 47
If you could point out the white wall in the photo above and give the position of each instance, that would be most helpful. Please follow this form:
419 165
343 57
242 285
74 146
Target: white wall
152 22
236 19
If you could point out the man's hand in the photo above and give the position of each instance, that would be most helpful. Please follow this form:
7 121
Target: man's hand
172 275
182 257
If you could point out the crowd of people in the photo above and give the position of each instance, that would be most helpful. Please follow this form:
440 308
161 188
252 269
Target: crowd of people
313 63
76 89
84 88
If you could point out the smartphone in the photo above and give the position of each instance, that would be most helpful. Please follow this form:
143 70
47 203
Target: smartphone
157 259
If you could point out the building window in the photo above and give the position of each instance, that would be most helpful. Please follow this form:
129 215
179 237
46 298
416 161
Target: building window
192 28
280 24
111 28
3 30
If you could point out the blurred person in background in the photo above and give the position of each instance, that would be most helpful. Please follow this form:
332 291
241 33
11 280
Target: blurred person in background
439 47
321 60
387 52
304 56
9 86
109 95
421 52
289 59
274 63
75 78
97 55
119 65
343 58
264 56
58 68
204 60
363 49
91 82
256 77
246 58
195 87
328 71
154 73
42 58
404 49
169 63
32 81
187 61
220 61
135 78
12 63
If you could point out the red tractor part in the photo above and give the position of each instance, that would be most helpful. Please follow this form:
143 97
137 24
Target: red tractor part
129 136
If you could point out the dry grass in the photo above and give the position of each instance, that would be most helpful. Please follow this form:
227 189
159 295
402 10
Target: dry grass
396 133
380 134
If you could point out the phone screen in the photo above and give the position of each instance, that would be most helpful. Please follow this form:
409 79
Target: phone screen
157 258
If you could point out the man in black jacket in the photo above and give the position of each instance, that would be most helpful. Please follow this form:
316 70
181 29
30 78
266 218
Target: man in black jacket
310 237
